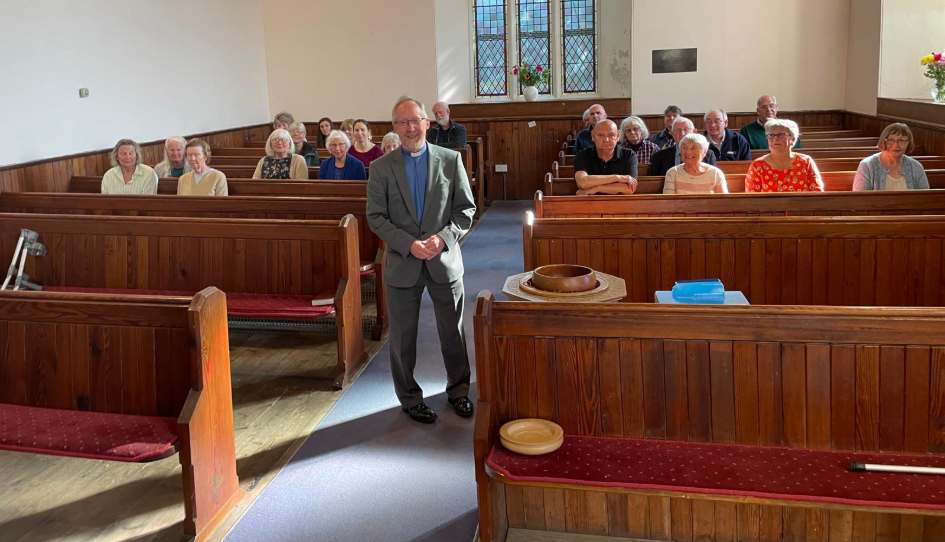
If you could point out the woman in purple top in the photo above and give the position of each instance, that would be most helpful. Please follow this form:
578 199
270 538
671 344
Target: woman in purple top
363 148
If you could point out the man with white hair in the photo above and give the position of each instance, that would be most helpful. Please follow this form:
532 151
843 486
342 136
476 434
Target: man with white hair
767 109
595 114
724 143
420 204
662 161
446 132
174 164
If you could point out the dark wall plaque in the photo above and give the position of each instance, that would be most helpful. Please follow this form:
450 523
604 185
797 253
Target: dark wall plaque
674 60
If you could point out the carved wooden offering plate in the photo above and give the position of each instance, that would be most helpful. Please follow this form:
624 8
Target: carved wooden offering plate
564 278
531 436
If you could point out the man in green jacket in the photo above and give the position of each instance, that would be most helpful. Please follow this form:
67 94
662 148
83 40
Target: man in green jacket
767 108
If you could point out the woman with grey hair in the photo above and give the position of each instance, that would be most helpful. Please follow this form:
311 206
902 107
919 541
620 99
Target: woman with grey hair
341 165
891 169
302 146
692 175
282 120
280 161
174 163
391 142
128 175
634 136
782 169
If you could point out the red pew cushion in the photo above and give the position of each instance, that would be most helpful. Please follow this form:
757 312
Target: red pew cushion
93 435
727 469
289 307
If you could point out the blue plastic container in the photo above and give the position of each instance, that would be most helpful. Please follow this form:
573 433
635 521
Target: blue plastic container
707 291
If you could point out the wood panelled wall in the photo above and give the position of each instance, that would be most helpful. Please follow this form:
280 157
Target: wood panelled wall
52 175
929 137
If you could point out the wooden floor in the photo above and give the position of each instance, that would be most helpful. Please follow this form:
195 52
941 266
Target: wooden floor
282 387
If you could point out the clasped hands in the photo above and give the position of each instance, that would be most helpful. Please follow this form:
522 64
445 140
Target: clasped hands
428 248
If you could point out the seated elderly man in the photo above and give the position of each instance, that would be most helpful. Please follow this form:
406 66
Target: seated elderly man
605 168
724 143
767 109
664 138
446 132
174 164
662 161
595 114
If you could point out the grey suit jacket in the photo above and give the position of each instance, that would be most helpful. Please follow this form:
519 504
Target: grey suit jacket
448 212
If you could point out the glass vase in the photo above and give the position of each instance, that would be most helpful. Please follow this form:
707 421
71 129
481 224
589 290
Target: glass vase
938 92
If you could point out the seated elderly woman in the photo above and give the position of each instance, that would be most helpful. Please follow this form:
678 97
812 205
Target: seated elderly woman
128 175
201 180
782 169
693 176
174 164
634 136
324 128
362 147
891 169
282 120
341 165
391 142
303 147
280 161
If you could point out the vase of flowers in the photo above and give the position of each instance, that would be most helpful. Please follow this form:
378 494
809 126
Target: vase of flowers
530 78
935 70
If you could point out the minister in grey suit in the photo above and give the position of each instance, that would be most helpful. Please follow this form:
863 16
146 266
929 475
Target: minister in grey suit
420 203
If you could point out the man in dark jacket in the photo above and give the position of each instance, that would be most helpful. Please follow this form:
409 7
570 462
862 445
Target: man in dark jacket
724 143
662 161
445 132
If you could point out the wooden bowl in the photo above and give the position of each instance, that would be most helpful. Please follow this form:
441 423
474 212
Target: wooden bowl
564 278
531 436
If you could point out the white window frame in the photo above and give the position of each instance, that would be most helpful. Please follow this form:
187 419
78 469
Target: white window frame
555 42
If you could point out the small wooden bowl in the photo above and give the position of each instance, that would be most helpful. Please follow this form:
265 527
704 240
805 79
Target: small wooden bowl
564 278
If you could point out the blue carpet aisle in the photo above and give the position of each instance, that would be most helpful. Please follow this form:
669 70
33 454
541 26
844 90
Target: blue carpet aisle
368 472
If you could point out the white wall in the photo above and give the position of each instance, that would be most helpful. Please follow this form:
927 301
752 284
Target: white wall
863 58
911 29
351 58
154 68
796 50
456 55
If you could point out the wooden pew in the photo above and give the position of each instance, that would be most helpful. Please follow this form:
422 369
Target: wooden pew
255 259
914 202
246 187
807 260
145 361
834 181
682 385
246 172
831 164
281 208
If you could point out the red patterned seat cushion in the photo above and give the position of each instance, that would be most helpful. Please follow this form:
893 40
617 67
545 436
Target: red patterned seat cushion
287 307
726 469
94 435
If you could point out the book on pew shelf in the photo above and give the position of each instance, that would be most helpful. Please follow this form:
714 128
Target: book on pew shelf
323 301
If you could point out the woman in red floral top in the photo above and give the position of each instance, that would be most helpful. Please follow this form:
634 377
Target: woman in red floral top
782 169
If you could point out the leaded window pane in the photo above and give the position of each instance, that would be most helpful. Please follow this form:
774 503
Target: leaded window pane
578 36
534 41
491 69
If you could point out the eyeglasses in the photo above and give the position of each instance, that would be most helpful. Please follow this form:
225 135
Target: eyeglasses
408 122
779 135
897 141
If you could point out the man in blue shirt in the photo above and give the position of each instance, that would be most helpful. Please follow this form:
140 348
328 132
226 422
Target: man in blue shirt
595 114
420 204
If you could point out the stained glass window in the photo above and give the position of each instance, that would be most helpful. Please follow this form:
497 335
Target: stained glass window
491 71
577 44
534 39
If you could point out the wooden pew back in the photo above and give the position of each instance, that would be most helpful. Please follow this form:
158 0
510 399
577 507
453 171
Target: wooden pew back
915 202
865 261
802 377
246 187
129 354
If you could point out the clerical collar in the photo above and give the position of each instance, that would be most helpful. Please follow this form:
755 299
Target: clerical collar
417 154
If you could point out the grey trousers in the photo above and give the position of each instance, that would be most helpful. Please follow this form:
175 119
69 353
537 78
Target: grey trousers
404 313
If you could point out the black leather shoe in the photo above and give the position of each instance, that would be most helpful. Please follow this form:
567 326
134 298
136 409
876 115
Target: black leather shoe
463 406
420 412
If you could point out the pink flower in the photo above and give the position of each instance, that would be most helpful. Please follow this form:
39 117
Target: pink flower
538 68
515 70
938 56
